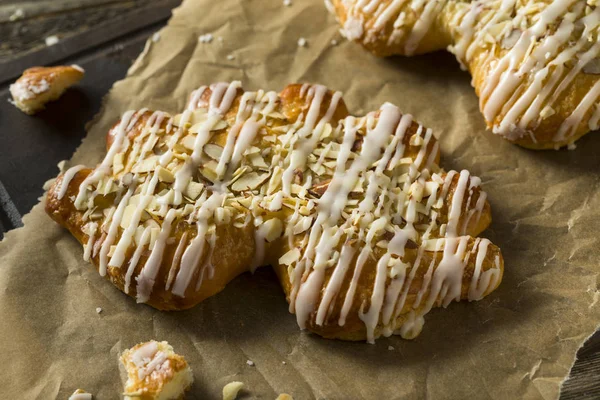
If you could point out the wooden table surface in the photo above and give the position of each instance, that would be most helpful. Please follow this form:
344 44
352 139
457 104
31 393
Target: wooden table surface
105 36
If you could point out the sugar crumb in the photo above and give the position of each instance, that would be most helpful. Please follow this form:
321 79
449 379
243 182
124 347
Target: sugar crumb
571 146
287 3
206 38
17 15
156 37
334 42
230 57
390 348
302 42
98 310
51 40
250 363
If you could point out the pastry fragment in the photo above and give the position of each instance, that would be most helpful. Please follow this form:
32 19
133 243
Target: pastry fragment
231 390
39 85
80 394
364 229
534 62
155 372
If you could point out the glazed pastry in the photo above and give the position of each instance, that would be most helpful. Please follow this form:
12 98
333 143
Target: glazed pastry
39 85
155 372
365 231
534 63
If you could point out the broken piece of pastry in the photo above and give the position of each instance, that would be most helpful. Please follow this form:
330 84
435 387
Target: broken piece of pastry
535 63
39 85
365 231
155 372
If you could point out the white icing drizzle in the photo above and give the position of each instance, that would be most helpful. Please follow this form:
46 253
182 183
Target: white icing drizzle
67 178
390 187
534 50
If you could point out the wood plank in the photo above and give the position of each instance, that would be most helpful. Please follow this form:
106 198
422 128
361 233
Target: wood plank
101 27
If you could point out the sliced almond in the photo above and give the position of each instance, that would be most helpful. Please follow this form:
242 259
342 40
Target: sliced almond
164 175
416 140
209 170
187 142
249 181
197 117
222 215
302 225
548 111
193 190
214 151
253 150
416 191
230 391
118 163
147 165
257 161
290 257
319 189
275 181
318 169
327 129
271 229
127 216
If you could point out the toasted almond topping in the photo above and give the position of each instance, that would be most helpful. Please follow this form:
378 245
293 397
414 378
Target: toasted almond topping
249 181
290 257
164 175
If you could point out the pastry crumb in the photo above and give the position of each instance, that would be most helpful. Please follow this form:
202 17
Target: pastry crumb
156 37
390 348
17 15
51 40
206 38
155 370
250 363
571 146
334 42
231 57
283 362
284 396
302 42
287 3
231 390
98 310
80 394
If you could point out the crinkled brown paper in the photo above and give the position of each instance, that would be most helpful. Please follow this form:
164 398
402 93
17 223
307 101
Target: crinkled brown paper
519 342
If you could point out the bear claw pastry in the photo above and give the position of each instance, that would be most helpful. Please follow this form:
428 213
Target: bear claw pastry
535 63
365 231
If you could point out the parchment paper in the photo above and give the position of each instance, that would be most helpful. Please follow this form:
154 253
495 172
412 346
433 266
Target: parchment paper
520 342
